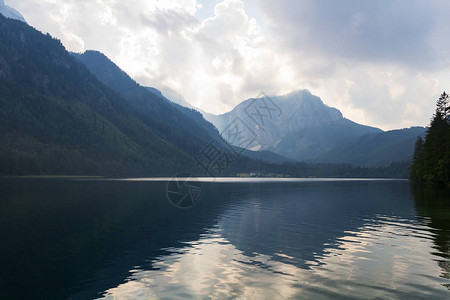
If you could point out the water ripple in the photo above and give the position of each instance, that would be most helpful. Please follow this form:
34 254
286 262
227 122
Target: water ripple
378 260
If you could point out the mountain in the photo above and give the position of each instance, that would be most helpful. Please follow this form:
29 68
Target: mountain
182 126
298 125
376 149
10 12
56 117
194 114
301 127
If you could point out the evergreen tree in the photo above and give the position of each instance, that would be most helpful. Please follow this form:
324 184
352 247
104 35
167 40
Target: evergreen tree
443 108
431 161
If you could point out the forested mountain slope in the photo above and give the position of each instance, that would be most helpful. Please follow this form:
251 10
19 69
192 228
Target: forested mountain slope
56 117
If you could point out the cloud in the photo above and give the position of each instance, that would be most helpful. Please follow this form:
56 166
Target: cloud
210 62
382 63
373 31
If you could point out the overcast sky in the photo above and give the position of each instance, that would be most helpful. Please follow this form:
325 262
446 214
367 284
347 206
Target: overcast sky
382 63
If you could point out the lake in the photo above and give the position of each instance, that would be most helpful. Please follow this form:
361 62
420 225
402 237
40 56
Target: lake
223 239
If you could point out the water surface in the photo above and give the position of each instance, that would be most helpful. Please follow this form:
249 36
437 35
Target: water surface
252 239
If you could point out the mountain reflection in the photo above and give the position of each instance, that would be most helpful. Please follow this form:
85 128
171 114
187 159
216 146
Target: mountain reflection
86 239
312 215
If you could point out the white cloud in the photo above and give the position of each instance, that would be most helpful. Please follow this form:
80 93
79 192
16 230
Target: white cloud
382 63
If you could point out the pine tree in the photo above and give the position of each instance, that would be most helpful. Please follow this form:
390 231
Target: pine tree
431 161
443 108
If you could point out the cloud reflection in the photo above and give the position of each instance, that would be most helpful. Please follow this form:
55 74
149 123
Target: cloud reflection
385 257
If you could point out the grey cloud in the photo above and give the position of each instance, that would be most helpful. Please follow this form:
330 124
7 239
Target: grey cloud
393 31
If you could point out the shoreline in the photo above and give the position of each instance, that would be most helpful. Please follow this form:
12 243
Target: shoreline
206 179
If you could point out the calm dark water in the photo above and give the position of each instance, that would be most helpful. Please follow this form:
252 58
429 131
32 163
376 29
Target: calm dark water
85 239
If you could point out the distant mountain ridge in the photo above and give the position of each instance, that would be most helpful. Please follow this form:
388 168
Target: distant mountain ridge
10 12
376 149
175 97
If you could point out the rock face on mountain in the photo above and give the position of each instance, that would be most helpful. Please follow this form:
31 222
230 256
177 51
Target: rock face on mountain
10 12
298 125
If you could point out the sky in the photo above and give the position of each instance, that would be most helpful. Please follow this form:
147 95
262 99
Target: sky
382 63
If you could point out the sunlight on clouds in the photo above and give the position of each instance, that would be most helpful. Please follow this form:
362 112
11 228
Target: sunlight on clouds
227 57
131 46
211 63
74 42
229 21
107 17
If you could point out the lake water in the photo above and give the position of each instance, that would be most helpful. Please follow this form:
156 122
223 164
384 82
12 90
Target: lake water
255 239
